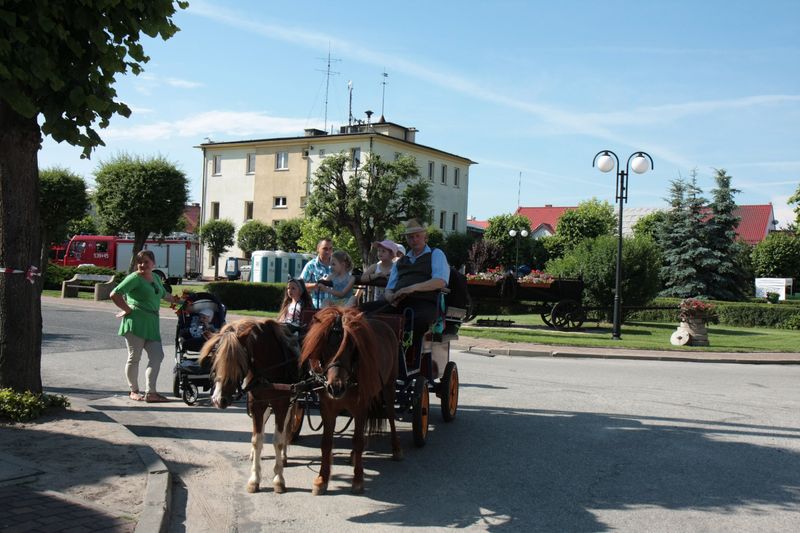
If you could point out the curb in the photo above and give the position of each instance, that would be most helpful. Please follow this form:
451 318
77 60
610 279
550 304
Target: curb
158 490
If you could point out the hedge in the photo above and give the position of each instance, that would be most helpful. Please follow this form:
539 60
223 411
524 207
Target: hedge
246 295
741 314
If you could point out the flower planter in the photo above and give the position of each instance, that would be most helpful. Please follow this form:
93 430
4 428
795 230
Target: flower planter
696 330
484 282
543 285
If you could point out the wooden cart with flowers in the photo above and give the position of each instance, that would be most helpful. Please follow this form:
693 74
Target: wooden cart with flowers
557 300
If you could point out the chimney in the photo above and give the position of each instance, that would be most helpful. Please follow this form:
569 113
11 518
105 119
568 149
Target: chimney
548 205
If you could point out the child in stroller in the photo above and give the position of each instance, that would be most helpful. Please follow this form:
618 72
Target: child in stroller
201 315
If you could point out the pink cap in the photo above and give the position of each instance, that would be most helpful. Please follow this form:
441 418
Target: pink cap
389 245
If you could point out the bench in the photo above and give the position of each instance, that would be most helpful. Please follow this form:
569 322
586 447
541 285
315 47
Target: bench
102 287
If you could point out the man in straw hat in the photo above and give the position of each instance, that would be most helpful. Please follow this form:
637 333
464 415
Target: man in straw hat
415 280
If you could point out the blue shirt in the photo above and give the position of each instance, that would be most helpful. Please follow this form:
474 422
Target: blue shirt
439 267
312 273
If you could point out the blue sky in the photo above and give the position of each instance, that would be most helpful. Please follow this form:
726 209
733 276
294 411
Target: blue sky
530 87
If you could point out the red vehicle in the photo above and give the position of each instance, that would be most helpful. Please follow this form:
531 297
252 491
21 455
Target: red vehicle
176 258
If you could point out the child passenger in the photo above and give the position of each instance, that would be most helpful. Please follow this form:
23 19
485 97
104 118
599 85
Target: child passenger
201 324
342 280
296 299
387 251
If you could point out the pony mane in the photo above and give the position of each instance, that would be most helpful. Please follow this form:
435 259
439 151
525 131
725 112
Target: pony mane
356 332
228 352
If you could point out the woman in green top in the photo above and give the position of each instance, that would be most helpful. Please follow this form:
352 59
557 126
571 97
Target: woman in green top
139 297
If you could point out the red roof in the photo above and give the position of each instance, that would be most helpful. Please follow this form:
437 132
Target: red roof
756 222
543 216
192 214
482 224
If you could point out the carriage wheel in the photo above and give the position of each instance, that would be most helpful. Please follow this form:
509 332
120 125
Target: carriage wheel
190 393
567 314
420 406
546 319
449 391
176 385
296 423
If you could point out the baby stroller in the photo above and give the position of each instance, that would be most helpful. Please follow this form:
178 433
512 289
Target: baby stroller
202 312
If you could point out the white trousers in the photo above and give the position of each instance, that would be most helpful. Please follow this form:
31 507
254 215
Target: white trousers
155 355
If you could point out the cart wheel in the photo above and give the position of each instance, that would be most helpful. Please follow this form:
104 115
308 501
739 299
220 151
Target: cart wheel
546 319
296 422
449 391
567 314
190 393
420 404
176 385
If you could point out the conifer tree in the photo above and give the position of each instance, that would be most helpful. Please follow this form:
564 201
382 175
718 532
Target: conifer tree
683 241
725 277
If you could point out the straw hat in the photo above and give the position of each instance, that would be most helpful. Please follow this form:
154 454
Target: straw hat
413 226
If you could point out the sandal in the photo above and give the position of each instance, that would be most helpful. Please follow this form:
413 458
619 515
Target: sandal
154 397
136 396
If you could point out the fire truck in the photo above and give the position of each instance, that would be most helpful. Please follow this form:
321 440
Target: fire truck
177 256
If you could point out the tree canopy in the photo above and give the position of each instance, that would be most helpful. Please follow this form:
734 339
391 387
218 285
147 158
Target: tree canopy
725 278
367 198
287 233
795 199
590 219
255 235
777 256
217 236
140 196
512 247
58 64
63 202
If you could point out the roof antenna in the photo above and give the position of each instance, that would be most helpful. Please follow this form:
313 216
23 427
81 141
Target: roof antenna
350 90
328 72
383 95
519 190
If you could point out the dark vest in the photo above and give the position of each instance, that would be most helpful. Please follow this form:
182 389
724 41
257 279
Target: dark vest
409 273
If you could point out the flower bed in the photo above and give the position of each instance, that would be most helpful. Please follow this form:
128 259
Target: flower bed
490 277
696 309
536 278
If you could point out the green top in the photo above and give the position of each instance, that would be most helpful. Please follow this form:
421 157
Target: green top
144 298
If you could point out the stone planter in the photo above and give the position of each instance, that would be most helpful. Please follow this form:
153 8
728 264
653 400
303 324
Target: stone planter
691 331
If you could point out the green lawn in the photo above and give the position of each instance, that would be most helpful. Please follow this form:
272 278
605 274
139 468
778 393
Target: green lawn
636 335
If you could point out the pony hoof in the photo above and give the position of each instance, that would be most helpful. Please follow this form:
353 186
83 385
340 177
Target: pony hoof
397 455
279 488
319 488
358 488
252 488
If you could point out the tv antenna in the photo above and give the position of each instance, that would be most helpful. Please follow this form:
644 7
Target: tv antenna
350 111
519 189
383 94
328 73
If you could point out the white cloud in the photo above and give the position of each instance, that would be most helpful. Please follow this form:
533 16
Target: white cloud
784 213
221 123
184 84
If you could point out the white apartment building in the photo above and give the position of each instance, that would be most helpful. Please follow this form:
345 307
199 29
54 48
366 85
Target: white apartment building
269 179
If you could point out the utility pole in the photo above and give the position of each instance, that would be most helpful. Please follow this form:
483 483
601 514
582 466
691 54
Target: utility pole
383 94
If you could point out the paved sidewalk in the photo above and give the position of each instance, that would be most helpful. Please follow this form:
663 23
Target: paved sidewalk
79 470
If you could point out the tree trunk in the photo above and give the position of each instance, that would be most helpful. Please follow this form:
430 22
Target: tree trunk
138 244
20 249
216 267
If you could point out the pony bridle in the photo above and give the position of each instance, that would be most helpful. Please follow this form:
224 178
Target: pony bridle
336 338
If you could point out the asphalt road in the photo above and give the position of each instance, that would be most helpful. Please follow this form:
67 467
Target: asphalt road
538 445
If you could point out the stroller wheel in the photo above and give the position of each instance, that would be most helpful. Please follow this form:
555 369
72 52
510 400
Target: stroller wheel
190 394
176 385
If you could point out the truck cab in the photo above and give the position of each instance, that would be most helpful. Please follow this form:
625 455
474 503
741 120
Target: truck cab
97 250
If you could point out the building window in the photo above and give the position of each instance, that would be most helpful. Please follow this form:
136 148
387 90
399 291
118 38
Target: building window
355 158
248 210
456 177
454 227
279 202
214 210
322 152
251 163
212 260
444 174
217 167
431 166
442 219
303 202
282 161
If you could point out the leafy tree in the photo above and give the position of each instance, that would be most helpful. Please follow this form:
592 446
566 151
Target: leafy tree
255 235
483 254
497 232
682 239
724 277
369 200
313 231
83 226
595 261
63 200
456 248
287 233
140 196
58 63
777 256
217 236
649 225
795 199
590 219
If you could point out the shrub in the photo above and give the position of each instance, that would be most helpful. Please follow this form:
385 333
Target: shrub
245 295
793 322
777 256
22 407
740 314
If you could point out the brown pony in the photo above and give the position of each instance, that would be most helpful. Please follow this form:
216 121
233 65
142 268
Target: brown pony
259 357
357 358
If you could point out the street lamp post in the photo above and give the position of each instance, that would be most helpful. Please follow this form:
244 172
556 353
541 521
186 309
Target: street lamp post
605 161
517 234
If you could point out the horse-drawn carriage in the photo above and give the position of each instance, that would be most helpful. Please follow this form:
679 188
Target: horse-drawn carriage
356 364
558 301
